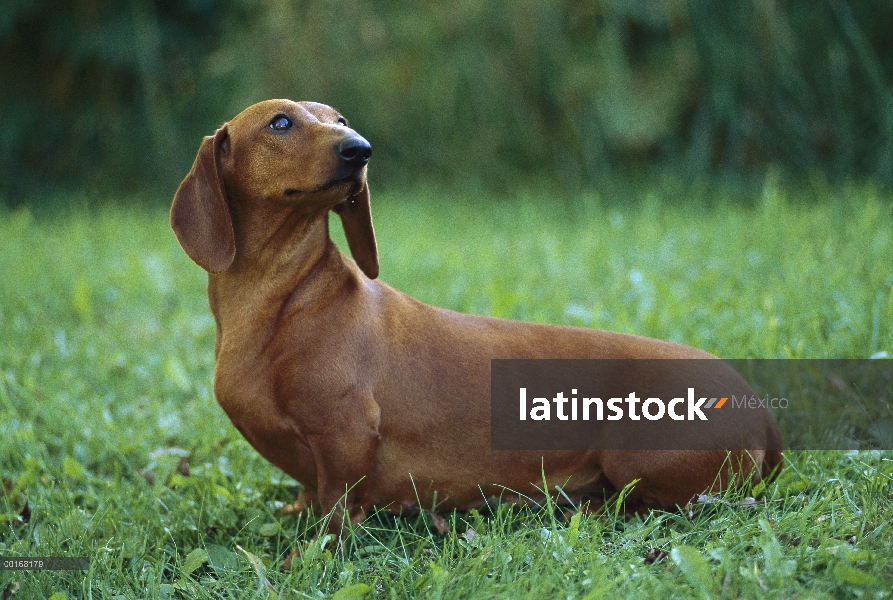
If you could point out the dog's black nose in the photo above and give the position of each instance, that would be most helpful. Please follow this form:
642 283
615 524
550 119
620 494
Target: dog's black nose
354 150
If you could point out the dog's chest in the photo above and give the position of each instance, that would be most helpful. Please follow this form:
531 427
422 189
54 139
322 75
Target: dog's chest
248 400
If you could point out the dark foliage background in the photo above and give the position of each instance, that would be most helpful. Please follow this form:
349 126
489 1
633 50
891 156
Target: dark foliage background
113 96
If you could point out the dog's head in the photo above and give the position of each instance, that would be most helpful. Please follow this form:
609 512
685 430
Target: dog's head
299 154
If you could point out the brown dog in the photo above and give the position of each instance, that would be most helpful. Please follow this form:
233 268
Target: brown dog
361 393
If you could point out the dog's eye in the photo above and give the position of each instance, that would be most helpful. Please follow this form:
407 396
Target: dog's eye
342 121
280 123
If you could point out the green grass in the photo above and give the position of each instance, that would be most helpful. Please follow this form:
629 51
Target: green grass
110 434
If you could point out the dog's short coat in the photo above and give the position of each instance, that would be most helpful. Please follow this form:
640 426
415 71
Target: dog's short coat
364 395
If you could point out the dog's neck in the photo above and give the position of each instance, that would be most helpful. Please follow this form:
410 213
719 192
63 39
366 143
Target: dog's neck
293 256
275 237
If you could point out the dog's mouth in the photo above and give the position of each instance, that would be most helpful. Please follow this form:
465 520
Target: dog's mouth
350 184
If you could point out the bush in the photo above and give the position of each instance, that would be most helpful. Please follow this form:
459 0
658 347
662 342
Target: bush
115 95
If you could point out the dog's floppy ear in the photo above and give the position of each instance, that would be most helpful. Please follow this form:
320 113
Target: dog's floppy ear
200 215
356 218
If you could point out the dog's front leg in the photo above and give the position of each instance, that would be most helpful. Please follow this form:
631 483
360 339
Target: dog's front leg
343 462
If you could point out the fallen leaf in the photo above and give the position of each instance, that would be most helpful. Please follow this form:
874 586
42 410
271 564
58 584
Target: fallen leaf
702 499
350 592
440 524
853 576
183 466
149 476
291 559
298 506
260 569
573 529
194 560
10 590
786 538
837 383
220 559
20 519
655 555
73 469
695 568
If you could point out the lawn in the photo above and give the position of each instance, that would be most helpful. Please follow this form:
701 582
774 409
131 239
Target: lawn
113 448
